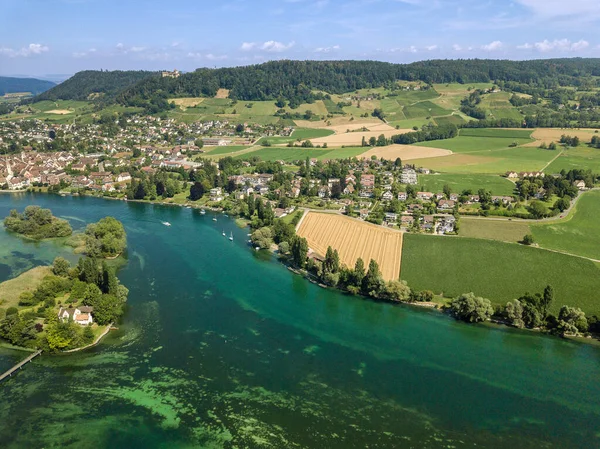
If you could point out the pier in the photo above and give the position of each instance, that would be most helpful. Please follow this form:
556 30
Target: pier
19 365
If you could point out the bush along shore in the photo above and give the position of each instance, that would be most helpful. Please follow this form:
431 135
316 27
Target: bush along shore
530 311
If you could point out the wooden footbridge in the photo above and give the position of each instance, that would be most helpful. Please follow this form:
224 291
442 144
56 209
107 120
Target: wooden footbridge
19 365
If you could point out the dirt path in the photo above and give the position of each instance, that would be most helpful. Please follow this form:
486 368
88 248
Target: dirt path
548 164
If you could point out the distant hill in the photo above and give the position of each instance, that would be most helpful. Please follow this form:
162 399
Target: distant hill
10 85
92 84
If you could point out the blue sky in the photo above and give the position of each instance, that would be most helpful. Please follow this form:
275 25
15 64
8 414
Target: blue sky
39 37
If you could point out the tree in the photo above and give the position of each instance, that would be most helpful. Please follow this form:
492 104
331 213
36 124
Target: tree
262 237
447 190
106 238
514 313
396 291
537 209
571 321
470 308
528 240
373 282
299 249
61 267
196 191
359 273
546 301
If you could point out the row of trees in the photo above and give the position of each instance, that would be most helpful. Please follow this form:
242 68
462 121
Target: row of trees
529 311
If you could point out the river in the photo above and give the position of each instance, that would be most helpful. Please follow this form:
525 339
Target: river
222 346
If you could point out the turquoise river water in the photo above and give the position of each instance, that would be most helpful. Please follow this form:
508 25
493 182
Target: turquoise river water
224 347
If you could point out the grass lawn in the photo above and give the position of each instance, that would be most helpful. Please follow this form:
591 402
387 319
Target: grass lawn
299 133
578 233
459 182
498 271
504 231
30 280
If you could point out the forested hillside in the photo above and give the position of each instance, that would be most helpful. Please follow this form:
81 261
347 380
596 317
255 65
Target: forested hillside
93 83
9 85
296 80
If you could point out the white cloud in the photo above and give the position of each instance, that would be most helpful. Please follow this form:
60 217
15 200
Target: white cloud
31 49
137 49
269 46
557 45
327 49
212 57
457 47
492 46
431 47
276 47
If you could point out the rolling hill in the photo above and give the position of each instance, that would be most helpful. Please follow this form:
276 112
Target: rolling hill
9 85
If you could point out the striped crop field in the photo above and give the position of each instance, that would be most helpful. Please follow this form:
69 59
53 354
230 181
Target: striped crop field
353 239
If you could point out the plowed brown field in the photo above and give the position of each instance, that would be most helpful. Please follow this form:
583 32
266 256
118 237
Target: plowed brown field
353 239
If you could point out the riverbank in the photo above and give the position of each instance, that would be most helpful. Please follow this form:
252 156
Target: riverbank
107 329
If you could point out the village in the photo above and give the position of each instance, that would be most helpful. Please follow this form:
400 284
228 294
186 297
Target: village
104 159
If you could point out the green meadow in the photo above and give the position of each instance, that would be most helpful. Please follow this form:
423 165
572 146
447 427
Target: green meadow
578 233
469 144
498 271
503 230
212 151
294 154
460 182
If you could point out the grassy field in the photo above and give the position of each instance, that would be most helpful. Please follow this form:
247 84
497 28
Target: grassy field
212 151
498 271
497 132
498 106
468 144
28 281
299 133
496 161
293 154
458 182
578 233
504 231
582 157
424 109
453 119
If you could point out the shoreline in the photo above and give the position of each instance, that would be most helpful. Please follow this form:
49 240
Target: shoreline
594 339
94 343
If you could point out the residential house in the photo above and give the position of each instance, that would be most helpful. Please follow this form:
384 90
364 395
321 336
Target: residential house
80 315
402 196
446 205
424 196
387 195
409 176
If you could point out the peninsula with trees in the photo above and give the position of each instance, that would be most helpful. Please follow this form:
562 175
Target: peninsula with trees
64 307
37 223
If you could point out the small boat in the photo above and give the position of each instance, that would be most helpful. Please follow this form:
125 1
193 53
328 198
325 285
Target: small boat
224 233
227 215
202 211
188 207
166 223
231 236
214 218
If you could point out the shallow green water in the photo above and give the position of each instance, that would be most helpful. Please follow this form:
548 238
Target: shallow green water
223 347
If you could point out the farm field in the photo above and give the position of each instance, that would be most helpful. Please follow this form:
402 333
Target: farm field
356 137
354 239
506 133
504 231
299 133
497 161
498 271
468 144
548 135
453 119
578 233
294 154
405 152
498 106
213 151
460 182
582 157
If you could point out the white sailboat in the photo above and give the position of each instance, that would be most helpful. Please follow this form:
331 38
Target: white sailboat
202 211
224 233
231 236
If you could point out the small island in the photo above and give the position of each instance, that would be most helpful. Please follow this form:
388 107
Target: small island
64 307
37 223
